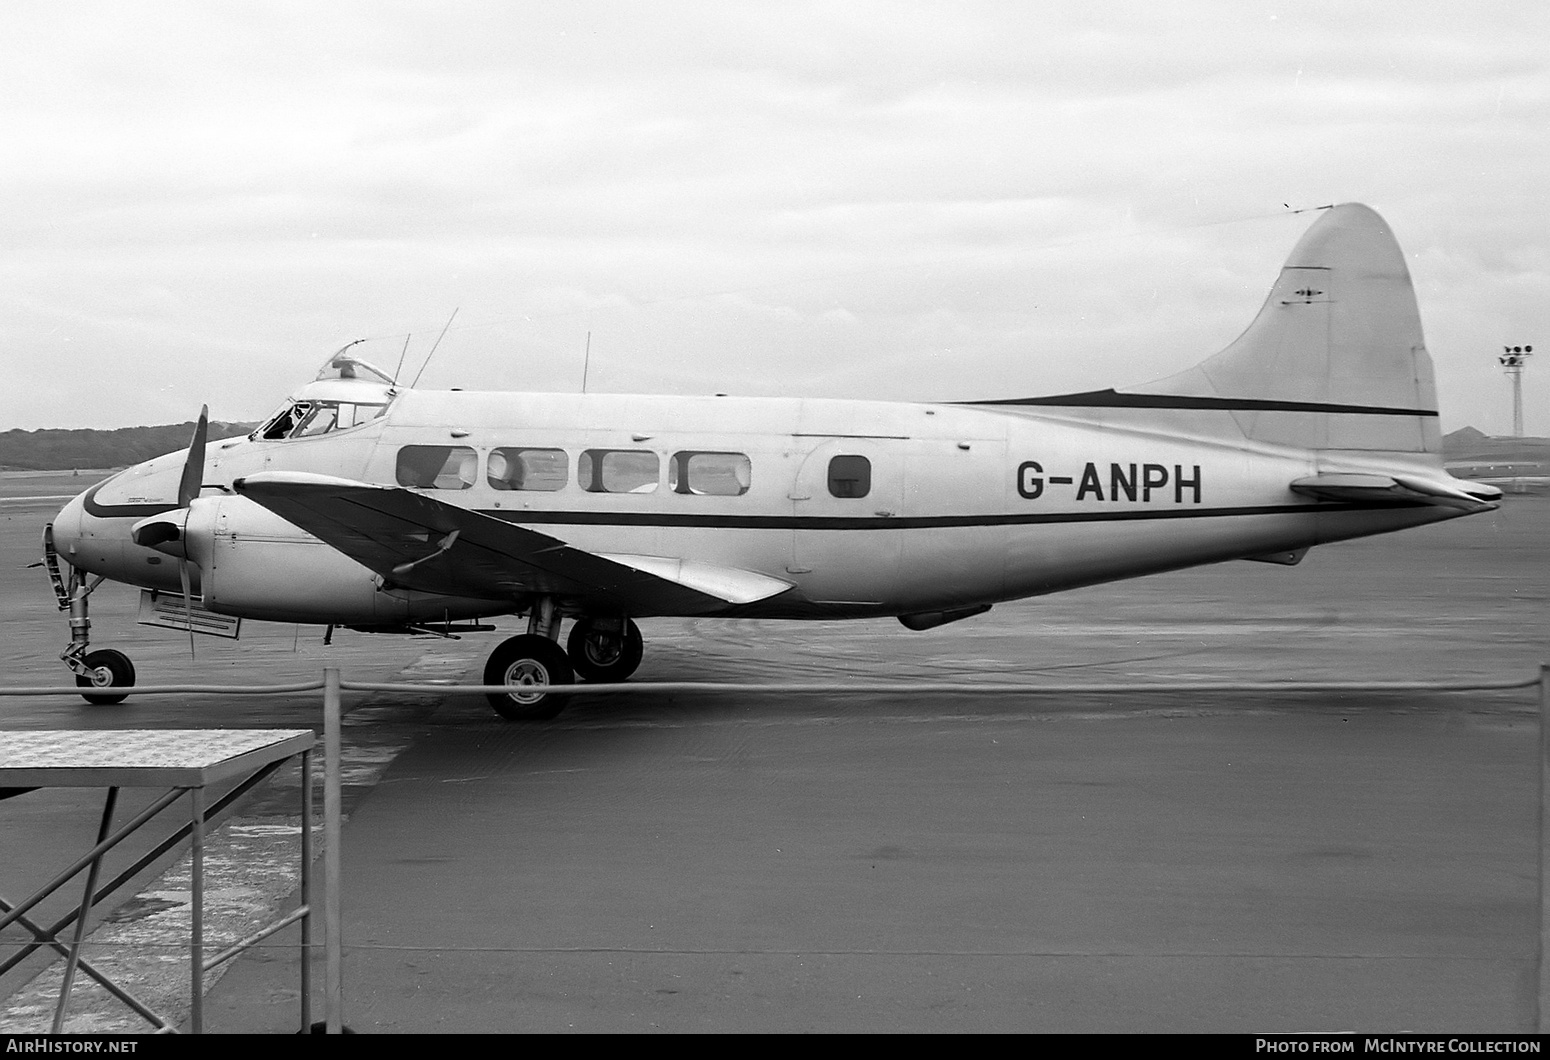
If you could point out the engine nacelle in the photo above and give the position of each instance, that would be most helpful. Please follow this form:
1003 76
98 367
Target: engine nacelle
255 564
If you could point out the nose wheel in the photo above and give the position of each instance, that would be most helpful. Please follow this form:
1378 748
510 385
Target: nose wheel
106 669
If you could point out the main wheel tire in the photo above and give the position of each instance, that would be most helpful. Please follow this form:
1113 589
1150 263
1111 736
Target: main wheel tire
523 661
604 656
110 669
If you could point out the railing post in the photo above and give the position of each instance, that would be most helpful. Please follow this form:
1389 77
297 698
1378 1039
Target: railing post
332 946
196 939
308 891
1542 987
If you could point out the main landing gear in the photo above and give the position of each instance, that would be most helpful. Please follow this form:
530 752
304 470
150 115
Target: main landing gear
99 669
520 663
605 651
599 650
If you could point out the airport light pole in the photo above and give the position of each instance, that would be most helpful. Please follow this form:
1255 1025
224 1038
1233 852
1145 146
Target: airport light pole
1513 361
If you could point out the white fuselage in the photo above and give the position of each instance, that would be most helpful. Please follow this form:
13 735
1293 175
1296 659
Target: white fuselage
965 505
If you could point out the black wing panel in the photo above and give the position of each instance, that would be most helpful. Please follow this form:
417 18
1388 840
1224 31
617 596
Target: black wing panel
417 542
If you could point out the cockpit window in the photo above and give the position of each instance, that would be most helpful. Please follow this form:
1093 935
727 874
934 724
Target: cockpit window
284 421
320 419
308 419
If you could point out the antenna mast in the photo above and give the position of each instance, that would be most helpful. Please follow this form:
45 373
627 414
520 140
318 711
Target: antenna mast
399 370
428 356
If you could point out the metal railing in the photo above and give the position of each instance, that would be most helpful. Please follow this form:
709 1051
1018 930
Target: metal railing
1505 684
333 685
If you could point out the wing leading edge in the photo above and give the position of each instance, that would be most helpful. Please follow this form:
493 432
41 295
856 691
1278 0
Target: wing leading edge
422 544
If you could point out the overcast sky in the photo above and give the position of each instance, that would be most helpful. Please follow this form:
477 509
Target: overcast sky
200 201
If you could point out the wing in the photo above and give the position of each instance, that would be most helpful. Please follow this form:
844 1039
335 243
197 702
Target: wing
417 542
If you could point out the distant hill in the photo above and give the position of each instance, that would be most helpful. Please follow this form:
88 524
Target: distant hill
61 450
1463 437
1517 465
1468 446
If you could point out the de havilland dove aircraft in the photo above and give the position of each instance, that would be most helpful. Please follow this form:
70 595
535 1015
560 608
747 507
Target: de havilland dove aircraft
395 510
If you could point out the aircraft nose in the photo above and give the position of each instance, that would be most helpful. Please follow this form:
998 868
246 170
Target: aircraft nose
67 527
89 542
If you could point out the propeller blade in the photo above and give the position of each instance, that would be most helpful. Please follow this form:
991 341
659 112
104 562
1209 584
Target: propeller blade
194 466
188 603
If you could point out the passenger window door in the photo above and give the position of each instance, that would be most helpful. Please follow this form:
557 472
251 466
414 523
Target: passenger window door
618 471
437 467
710 474
541 470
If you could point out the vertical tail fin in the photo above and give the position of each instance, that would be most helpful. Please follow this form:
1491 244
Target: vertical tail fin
1335 359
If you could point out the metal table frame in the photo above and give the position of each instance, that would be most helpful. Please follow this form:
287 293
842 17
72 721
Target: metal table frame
186 761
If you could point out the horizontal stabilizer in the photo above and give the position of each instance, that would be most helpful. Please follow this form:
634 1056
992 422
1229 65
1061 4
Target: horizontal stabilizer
1399 489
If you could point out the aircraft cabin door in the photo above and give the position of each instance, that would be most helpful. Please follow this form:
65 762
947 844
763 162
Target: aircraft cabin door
847 489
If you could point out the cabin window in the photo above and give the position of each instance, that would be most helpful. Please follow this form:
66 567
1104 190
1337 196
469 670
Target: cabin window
618 471
850 476
544 470
710 474
438 467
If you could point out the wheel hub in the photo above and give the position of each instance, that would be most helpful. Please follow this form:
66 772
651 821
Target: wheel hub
604 650
524 673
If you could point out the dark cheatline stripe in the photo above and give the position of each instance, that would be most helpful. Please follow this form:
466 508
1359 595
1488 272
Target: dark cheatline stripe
874 522
1113 399
832 522
122 511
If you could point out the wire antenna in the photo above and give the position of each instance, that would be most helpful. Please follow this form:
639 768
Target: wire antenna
586 362
401 357
428 356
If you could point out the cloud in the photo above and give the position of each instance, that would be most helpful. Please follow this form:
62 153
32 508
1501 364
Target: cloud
200 201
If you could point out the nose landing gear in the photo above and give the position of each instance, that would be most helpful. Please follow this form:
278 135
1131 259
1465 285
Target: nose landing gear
99 669
108 669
